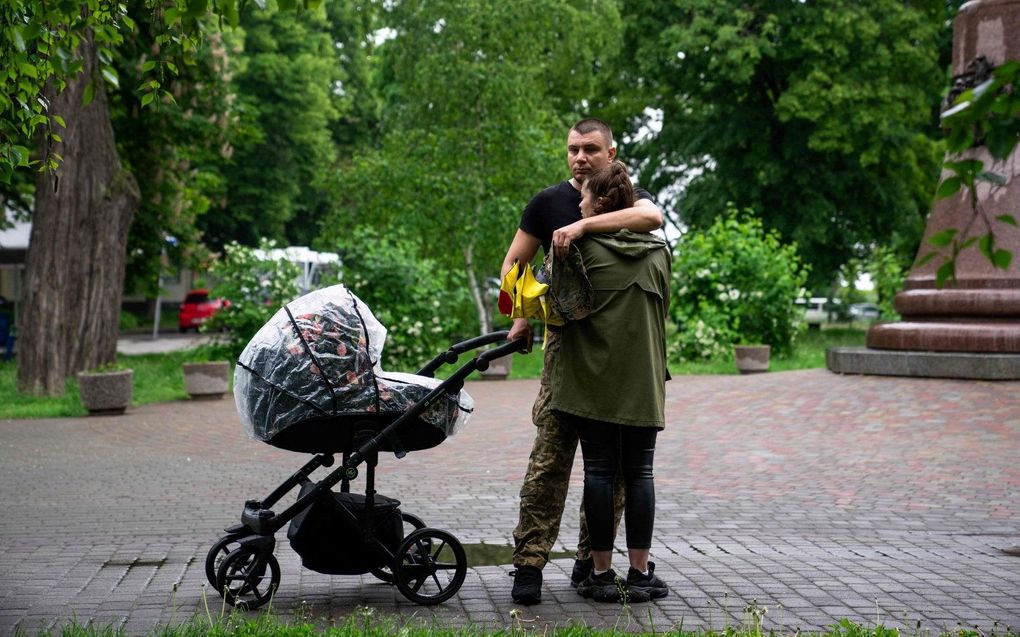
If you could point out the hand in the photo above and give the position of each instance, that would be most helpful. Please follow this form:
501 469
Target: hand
562 238
521 329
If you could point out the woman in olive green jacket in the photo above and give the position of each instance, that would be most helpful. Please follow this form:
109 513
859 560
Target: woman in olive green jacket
610 380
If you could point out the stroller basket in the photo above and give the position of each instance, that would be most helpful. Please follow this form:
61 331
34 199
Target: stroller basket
329 540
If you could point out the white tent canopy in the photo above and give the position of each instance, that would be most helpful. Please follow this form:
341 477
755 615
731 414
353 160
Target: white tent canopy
311 262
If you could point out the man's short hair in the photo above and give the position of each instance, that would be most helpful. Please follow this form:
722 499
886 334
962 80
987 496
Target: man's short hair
592 124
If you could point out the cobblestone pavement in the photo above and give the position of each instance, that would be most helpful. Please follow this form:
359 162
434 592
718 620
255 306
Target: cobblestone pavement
815 495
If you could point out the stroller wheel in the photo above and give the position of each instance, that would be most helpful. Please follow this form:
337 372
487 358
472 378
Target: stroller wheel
242 577
214 558
432 566
383 572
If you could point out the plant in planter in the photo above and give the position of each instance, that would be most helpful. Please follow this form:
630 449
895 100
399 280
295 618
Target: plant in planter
751 359
735 286
207 380
106 390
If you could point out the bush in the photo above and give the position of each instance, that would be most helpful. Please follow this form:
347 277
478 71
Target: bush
255 287
734 283
887 272
422 305
129 321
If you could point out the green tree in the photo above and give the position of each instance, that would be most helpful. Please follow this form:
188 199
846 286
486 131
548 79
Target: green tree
817 115
174 151
56 61
282 142
478 95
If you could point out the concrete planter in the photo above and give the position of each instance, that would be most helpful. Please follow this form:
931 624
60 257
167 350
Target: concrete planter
751 359
499 369
105 393
206 381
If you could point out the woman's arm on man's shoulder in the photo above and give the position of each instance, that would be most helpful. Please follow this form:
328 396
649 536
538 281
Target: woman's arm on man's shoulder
643 216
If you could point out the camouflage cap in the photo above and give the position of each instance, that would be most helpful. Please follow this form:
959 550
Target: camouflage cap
570 292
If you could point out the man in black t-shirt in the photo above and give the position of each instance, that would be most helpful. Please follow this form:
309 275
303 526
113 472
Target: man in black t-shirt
552 220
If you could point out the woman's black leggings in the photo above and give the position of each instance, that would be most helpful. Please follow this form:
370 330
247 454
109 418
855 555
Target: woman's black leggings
608 449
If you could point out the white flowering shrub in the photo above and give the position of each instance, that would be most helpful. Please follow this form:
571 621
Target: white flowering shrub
423 306
255 289
734 283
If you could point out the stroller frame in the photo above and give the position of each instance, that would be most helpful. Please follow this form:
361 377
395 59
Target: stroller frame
241 565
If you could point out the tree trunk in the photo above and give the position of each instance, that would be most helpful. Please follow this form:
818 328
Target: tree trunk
484 320
74 270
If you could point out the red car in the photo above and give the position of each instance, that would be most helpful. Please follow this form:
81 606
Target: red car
198 308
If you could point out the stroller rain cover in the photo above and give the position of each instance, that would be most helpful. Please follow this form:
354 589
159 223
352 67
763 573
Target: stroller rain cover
318 361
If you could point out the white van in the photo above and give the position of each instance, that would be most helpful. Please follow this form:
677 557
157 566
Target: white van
818 309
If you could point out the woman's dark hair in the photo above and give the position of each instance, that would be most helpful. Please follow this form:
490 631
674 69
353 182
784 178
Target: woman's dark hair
610 188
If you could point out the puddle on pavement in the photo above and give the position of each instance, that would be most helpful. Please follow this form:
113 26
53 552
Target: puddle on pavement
496 554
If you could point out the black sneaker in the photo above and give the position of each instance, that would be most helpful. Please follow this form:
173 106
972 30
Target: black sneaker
648 586
604 587
527 588
582 569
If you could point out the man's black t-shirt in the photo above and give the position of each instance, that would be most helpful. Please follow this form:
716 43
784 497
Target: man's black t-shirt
555 207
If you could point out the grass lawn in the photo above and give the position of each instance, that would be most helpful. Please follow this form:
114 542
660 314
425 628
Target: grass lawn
809 354
158 377
364 621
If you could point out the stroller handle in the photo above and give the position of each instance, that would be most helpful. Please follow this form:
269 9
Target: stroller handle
450 356
517 345
479 341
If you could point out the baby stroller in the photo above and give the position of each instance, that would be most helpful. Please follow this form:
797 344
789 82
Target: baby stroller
310 381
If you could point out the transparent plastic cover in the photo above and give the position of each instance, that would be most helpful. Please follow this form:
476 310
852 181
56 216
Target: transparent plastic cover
323 359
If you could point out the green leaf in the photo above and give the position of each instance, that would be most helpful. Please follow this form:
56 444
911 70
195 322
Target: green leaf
948 188
1010 219
1002 259
148 66
59 120
197 8
147 98
925 259
89 94
27 68
986 245
943 238
968 243
20 155
965 166
110 75
946 272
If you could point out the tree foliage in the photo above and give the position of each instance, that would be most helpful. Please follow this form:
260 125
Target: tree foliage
174 148
987 115
734 283
282 147
475 97
813 114
420 302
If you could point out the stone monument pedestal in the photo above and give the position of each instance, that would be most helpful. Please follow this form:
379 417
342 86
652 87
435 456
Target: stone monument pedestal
970 328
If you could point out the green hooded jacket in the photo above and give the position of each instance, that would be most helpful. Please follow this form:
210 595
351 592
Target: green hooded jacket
612 364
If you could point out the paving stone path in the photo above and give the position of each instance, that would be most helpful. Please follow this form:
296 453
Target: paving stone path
814 495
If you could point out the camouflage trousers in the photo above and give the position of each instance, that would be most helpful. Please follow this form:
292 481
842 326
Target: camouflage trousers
544 492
